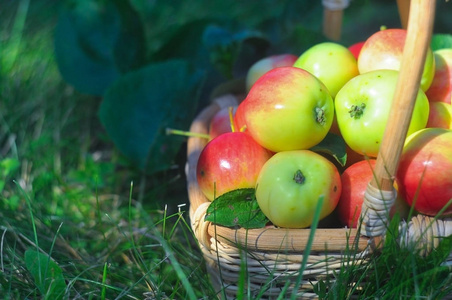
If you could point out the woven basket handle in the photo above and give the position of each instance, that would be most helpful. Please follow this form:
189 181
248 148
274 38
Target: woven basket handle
380 193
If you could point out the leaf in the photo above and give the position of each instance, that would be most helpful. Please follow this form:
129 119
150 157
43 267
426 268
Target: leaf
225 46
186 43
130 48
441 41
47 274
96 41
8 166
333 145
138 107
237 208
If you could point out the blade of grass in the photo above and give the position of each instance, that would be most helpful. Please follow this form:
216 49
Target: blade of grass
307 251
33 224
104 280
16 35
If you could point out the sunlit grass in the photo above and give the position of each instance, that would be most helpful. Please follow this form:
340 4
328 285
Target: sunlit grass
67 194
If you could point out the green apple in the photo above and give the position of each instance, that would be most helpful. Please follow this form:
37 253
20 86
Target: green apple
290 185
363 106
330 62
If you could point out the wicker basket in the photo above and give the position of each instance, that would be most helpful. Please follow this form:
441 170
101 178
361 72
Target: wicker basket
271 256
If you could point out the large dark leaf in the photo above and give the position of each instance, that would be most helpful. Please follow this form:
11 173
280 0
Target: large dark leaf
225 46
95 41
185 42
138 108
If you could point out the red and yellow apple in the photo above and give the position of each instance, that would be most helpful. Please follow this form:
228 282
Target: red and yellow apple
441 88
440 115
239 118
266 64
424 175
288 108
230 161
332 63
384 50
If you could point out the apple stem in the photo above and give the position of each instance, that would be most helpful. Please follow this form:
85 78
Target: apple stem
356 111
320 116
298 177
231 118
187 133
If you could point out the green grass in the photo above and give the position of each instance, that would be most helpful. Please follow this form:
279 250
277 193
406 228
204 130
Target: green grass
77 222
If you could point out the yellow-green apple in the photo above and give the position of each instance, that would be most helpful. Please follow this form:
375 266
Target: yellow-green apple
266 64
440 115
221 121
288 108
354 184
363 106
424 175
230 161
441 88
290 185
330 62
355 48
384 50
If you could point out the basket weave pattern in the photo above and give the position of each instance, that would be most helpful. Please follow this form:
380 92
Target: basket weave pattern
270 258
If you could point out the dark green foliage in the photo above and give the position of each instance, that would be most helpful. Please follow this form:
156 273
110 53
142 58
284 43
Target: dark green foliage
97 41
138 107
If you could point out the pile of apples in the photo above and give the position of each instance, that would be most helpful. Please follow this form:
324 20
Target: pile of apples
294 102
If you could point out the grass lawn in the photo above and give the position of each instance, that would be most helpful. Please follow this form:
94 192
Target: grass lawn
78 221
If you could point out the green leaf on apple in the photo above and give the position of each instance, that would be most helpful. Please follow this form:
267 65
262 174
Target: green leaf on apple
140 105
333 145
237 208
441 41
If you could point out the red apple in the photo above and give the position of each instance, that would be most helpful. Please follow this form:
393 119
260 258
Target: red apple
230 161
424 175
440 115
266 64
221 122
355 48
384 50
354 184
441 88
